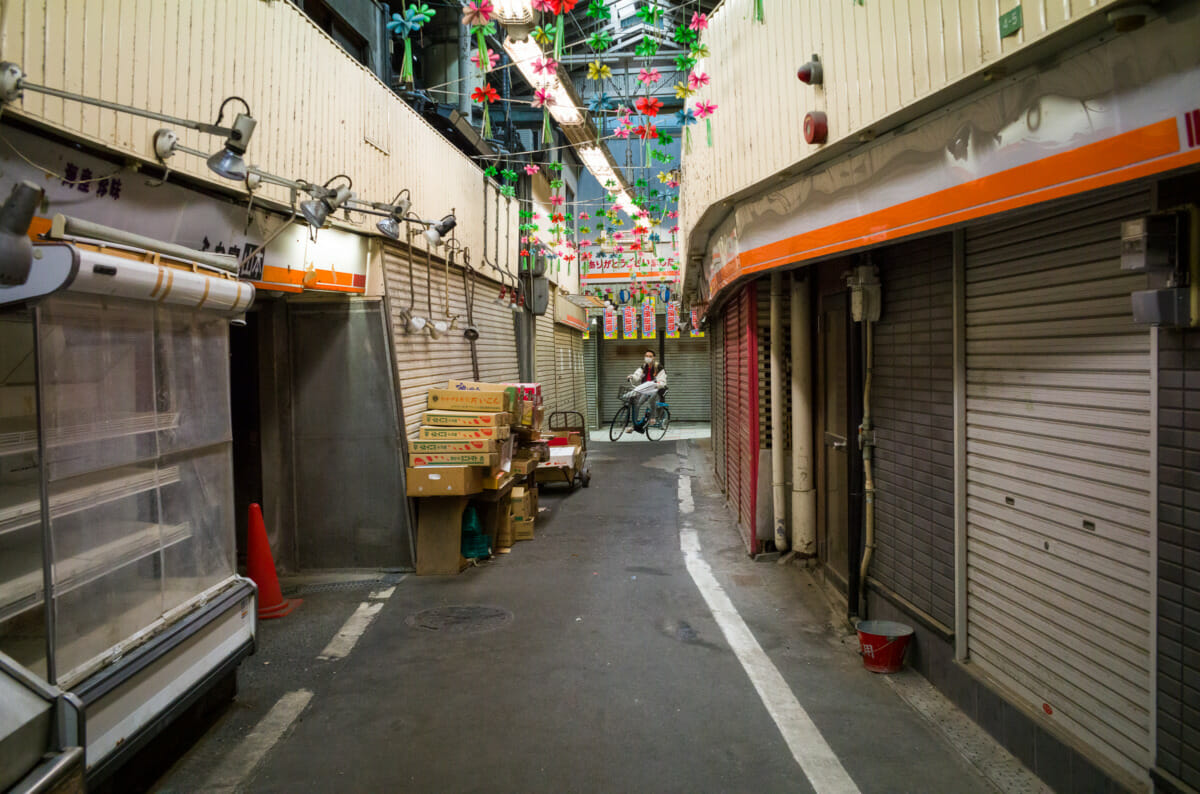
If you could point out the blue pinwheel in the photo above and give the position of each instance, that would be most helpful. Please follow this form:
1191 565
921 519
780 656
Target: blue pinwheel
404 25
686 118
600 104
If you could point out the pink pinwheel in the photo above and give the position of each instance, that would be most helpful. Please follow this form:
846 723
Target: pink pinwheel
618 235
524 241
649 76
672 183
557 201
674 230
476 14
622 132
705 109
547 67
583 216
620 249
698 80
699 22
543 5
493 59
531 169
537 216
542 97
624 112
644 214
673 214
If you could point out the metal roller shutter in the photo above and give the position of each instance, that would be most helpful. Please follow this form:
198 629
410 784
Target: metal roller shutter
1060 483
422 362
590 380
543 357
688 376
716 334
568 368
741 411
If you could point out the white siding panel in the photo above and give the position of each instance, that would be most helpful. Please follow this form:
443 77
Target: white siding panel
1060 489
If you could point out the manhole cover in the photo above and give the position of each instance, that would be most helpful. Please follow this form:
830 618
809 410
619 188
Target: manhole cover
460 619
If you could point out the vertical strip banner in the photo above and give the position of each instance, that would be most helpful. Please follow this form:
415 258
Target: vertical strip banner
649 321
630 322
672 321
695 330
610 323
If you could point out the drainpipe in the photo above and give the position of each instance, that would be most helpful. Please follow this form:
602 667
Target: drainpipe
866 307
464 66
804 495
778 480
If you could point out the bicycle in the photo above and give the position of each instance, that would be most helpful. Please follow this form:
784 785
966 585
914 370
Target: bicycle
655 422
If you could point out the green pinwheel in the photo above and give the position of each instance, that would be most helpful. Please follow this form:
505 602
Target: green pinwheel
650 14
599 41
685 35
542 35
648 48
555 167
509 175
508 191
598 10
684 63
491 171
556 184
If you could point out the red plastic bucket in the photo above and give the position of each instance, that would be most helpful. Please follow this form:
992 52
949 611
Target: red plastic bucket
882 644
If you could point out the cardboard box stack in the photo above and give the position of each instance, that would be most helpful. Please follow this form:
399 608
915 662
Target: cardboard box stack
478 437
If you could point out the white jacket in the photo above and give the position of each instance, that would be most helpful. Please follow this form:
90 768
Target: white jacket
660 380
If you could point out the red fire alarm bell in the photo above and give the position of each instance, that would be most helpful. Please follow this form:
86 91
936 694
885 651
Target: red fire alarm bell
811 73
816 127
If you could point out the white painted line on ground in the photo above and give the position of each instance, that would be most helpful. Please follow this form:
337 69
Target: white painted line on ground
382 595
344 641
814 755
237 767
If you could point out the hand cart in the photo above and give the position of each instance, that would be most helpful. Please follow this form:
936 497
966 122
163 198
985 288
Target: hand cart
570 422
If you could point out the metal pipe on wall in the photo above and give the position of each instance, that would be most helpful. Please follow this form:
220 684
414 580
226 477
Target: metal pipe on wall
804 494
868 458
778 480
960 448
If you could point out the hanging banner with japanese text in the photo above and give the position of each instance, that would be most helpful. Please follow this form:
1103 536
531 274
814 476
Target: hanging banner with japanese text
696 332
649 321
610 323
630 322
672 321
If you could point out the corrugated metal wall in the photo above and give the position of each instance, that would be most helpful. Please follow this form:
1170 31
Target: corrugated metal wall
687 362
590 379
878 57
912 396
741 410
568 369
422 362
716 333
319 111
1059 482
620 359
543 357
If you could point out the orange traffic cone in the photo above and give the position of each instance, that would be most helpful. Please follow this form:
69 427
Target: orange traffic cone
261 567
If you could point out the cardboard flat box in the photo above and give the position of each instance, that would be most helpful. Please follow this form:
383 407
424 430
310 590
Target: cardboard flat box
463 433
439 535
522 528
485 459
455 400
522 503
467 419
480 445
444 480
523 467
496 480
511 392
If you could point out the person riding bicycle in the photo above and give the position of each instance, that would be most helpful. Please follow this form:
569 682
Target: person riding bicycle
650 371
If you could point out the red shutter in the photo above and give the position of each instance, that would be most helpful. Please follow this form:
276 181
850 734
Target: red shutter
741 410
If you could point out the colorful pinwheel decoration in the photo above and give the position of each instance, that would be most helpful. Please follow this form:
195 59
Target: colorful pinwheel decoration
648 48
486 95
531 169
543 98
560 8
600 41
491 171
404 25
699 22
682 91
685 63
649 77
704 110
649 106
598 70
650 14
600 104
541 35
477 15
685 35
686 118
599 11
556 167
508 191
699 51
492 58
509 175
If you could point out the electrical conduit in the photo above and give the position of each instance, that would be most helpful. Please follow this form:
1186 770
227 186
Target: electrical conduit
778 480
867 444
804 494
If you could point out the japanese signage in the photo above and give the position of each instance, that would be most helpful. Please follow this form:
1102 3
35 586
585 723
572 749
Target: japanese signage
672 321
630 322
610 324
696 332
649 321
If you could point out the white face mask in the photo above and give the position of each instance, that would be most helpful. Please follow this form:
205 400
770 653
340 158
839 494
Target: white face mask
649 361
